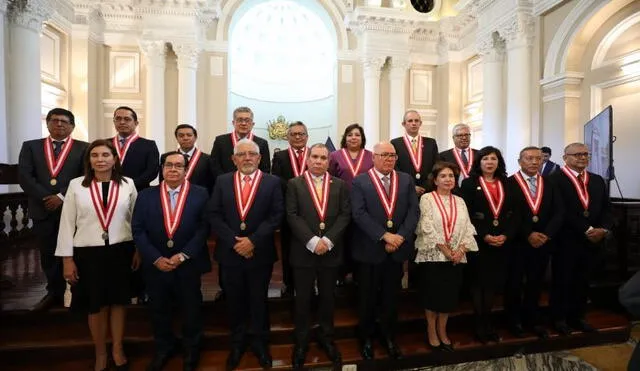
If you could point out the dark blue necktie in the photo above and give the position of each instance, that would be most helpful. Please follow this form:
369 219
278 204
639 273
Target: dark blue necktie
57 147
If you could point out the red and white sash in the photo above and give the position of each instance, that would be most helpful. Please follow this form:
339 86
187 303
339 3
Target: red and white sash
416 157
496 207
235 139
55 164
298 164
320 205
122 152
464 170
173 217
583 192
347 158
448 218
192 162
243 208
388 201
104 214
534 205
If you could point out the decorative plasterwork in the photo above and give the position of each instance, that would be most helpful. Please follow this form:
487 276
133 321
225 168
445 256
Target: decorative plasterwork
188 55
398 68
372 66
518 31
542 6
454 29
3 6
421 88
29 13
155 52
610 38
491 47
124 72
385 20
566 85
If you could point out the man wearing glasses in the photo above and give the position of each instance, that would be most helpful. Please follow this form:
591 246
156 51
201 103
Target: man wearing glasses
45 167
587 221
138 156
385 214
461 153
290 164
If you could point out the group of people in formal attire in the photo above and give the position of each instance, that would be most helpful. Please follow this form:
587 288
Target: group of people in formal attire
455 217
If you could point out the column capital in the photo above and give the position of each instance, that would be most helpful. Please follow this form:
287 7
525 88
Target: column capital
154 51
518 31
188 55
29 13
372 66
3 6
398 68
491 47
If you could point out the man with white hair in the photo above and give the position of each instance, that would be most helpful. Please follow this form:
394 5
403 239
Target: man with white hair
461 153
245 209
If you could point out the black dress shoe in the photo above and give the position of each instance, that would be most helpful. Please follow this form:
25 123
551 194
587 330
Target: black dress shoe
492 335
582 325
447 347
331 351
233 360
392 348
516 330
191 360
122 367
540 332
159 361
220 295
298 357
562 328
46 303
287 292
366 349
262 353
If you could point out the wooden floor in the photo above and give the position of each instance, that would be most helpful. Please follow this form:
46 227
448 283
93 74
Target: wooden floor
59 340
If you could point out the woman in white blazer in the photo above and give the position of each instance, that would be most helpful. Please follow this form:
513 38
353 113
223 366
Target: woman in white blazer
96 245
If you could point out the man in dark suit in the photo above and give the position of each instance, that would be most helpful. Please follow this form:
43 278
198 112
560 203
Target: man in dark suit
385 213
138 156
245 209
170 231
540 210
416 154
290 164
45 167
200 169
548 167
587 222
318 212
223 145
461 153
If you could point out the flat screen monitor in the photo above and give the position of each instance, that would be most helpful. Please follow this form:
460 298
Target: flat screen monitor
598 135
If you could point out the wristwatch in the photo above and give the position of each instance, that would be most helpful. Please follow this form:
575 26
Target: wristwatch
181 258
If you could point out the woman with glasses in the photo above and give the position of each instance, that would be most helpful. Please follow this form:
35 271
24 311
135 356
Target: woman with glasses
492 215
444 237
96 244
350 161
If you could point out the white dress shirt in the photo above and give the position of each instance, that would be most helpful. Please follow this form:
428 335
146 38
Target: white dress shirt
313 242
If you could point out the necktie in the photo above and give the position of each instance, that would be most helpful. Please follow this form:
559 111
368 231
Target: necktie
57 147
533 187
172 197
318 185
385 183
298 153
465 159
122 142
414 145
246 189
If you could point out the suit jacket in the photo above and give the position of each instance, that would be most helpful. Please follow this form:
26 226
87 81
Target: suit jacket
264 217
222 151
141 162
448 156
370 220
575 223
203 173
34 176
429 158
549 168
304 222
481 215
550 214
190 238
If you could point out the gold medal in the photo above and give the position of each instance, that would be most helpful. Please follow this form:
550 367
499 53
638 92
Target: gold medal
535 219
586 213
105 235
170 243
322 226
496 222
53 181
243 226
389 223
418 176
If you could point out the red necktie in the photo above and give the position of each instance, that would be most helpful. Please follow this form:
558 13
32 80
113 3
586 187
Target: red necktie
246 189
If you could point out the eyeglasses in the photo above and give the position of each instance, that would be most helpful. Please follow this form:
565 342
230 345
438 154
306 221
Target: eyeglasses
387 155
246 120
169 165
247 154
579 154
301 135
59 121
462 135
126 119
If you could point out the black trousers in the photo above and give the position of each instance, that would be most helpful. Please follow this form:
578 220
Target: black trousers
168 291
246 289
379 283
572 265
46 231
304 279
285 248
526 267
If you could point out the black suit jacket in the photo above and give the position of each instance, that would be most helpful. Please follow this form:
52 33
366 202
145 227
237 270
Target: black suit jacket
481 215
141 162
448 156
549 168
370 220
34 176
263 219
222 151
304 222
550 214
203 173
575 223
429 158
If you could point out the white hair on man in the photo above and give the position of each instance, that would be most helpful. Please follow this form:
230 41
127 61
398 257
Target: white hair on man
459 126
246 141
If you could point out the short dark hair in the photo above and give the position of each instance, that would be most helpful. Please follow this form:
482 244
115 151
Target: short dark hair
546 150
62 112
501 171
133 113
185 126
163 158
343 141
116 173
528 148
438 167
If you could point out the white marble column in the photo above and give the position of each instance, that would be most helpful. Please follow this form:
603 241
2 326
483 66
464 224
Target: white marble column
188 56
371 70
397 99
24 95
493 93
518 41
155 53
4 142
